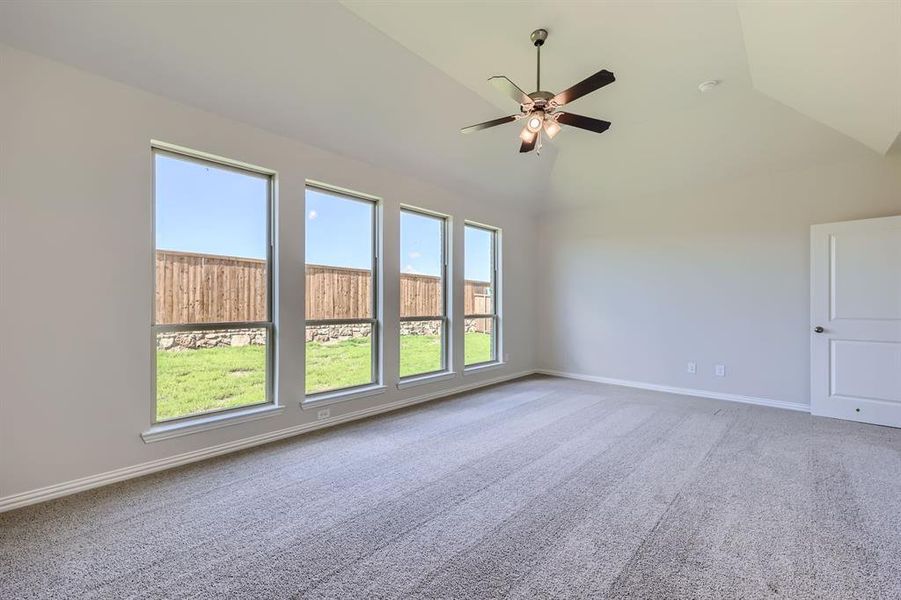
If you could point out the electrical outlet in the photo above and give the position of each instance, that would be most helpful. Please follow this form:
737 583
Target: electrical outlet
323 413
692 367
720 370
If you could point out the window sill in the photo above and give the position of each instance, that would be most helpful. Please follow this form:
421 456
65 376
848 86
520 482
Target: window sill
326 398
165 431
425 379
476 369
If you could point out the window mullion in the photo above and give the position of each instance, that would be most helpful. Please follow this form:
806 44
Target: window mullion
318 322
207 326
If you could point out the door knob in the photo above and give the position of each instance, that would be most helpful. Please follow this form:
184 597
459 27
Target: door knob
818 329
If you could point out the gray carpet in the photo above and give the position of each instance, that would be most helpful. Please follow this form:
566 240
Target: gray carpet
539 488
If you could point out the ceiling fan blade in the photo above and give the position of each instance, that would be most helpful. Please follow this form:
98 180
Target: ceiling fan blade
488 124
529 144
502 84
581 122
586 86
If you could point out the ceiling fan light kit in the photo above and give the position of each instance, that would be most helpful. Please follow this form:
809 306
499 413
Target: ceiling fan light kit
540 108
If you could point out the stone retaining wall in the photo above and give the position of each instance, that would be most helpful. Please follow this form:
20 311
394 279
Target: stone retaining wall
420 327
192 340
218 338
477 325
337 333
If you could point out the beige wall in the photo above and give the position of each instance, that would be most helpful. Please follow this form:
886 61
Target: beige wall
635 287
76 188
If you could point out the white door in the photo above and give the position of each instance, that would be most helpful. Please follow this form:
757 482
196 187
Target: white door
855 311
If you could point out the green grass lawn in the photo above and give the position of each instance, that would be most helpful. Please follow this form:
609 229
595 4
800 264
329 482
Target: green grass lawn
196 381
419 354
476 348
334 365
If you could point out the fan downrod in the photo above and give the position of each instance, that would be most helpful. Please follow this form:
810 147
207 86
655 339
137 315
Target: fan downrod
538 36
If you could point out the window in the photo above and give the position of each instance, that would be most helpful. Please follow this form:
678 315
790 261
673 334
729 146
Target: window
423 294
341 291
480 295
212 329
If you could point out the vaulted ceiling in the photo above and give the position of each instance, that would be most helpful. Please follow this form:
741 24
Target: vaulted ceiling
789 107
309 70
391 83
837 62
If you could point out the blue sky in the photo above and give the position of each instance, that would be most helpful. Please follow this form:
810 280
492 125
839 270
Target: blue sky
202 208
477 254
420 244
206 209
339 231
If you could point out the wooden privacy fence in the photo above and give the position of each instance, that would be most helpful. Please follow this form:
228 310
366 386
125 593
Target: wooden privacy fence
205 288
338 293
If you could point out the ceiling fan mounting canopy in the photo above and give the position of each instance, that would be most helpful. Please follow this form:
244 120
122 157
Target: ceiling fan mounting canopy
538 36
540 108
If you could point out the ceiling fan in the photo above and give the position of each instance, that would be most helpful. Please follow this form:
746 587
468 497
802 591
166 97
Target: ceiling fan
540 108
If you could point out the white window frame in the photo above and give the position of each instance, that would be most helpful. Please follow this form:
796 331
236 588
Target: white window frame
444 318
203 158
324 396
494 314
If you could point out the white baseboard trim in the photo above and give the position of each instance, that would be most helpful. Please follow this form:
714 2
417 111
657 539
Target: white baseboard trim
798 406
93 481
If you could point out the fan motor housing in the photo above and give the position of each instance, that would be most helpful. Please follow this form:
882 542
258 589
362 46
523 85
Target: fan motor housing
541 96
541 99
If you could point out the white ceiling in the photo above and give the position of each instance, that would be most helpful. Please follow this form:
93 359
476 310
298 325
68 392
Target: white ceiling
310 70
665 133
392 83
838 62
659 51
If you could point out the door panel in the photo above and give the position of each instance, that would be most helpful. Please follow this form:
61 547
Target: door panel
866 369
862 283
855 298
